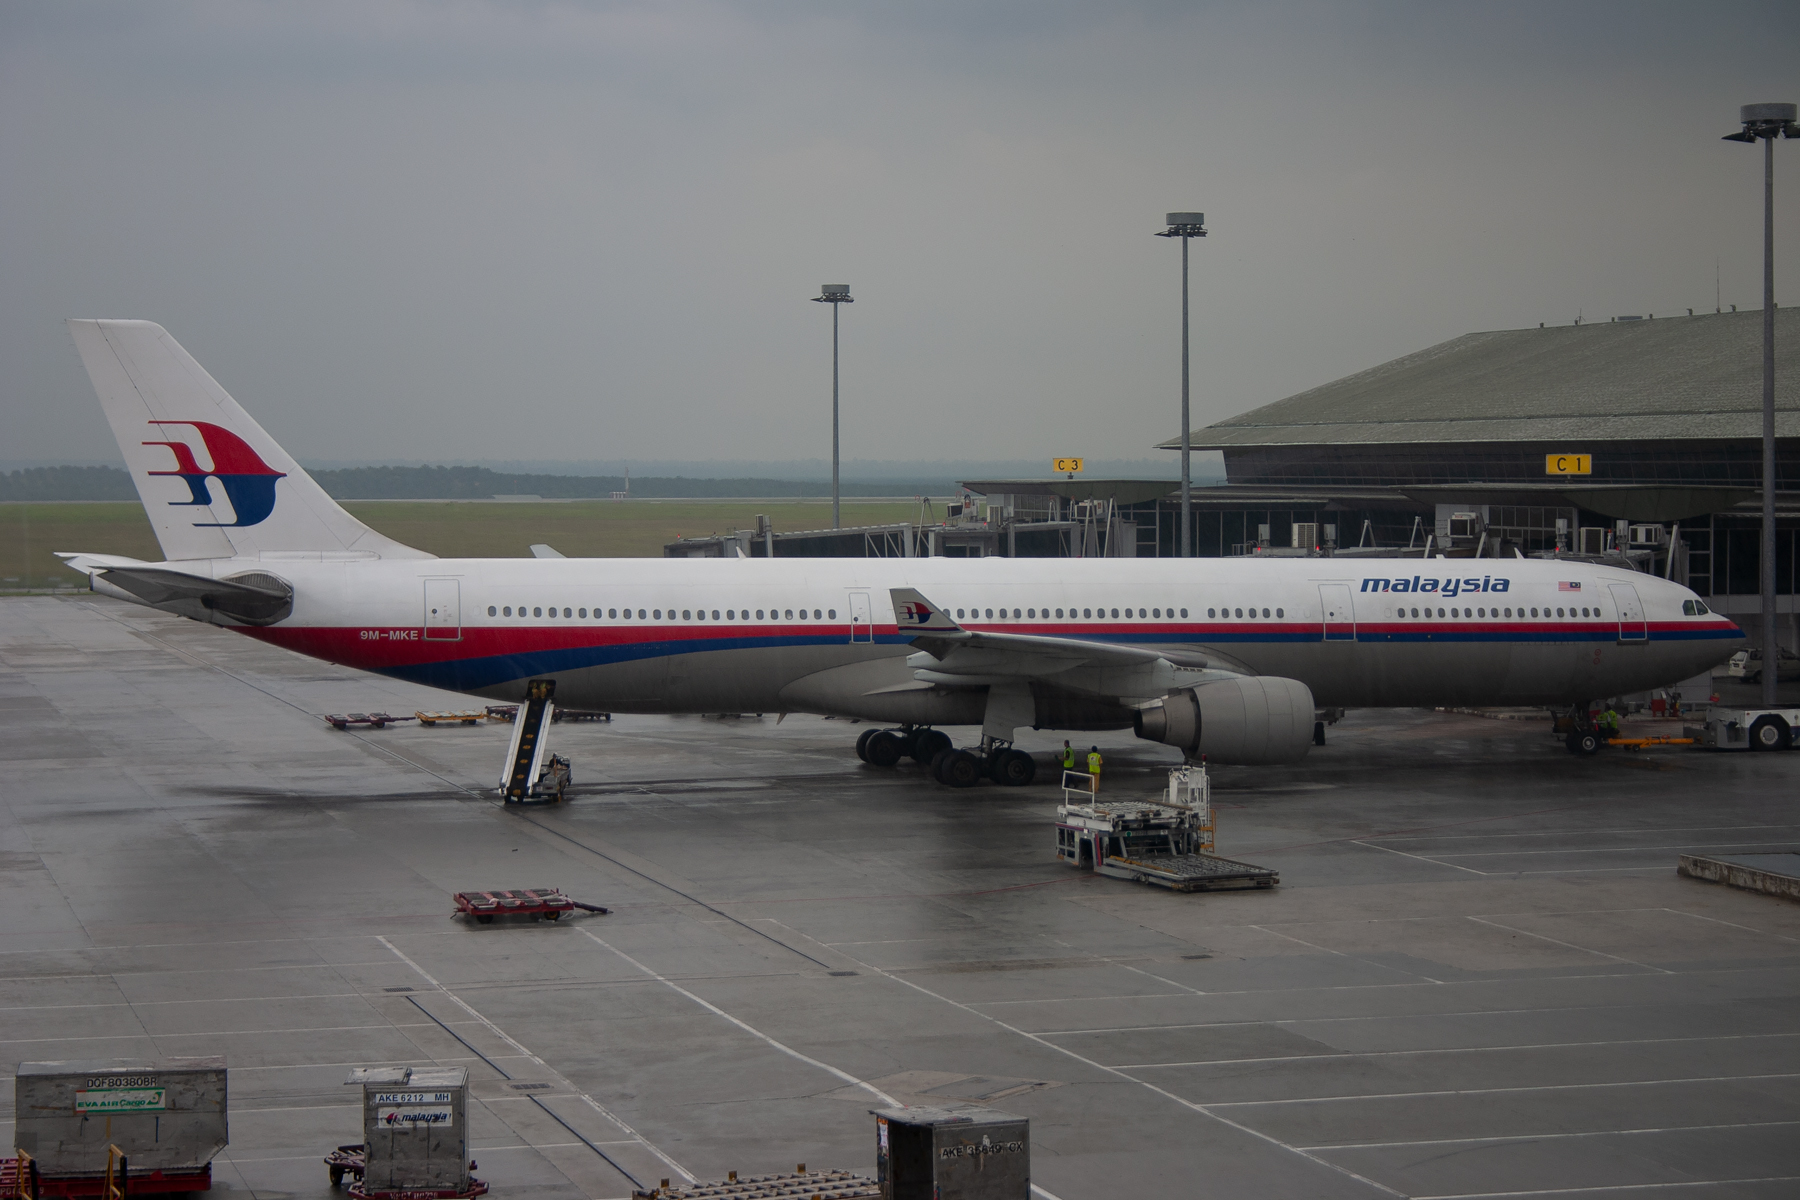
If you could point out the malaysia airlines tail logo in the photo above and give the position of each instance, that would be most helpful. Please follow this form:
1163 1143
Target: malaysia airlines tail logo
249 482
915 614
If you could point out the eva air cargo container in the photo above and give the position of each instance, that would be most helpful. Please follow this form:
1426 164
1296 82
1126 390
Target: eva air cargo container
166 1116
415 1132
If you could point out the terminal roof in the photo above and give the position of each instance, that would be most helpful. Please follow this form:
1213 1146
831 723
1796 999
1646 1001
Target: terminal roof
1667 378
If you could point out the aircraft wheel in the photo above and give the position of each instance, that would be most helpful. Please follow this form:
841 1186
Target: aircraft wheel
935 768
1584 743
1014 768
862 743
926 744
884 749
1769 733
960 769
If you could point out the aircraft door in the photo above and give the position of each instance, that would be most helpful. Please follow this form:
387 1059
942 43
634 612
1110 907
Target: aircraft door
862 620
443 610
1631 613
1340 616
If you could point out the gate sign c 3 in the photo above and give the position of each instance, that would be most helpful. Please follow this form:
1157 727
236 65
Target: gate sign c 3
1067 466
1568 464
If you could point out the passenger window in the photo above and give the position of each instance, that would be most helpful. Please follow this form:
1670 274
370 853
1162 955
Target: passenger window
568 613
1265 612
1280 613
959 612
731 614
990 613
491 611
1031 612
507 611
759 614
657 614
790 615
1240 613
1087 612
537 612
1211 613
1440 612
582 613
832 613
715 614
1015 614
612 614
687 614
1559 612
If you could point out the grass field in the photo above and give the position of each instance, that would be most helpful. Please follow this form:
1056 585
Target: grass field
30 534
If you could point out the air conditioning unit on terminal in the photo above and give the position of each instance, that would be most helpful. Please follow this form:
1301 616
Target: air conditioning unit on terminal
1306 536
1648 535
1590 539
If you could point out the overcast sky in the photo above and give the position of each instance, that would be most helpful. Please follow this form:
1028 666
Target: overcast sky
401 231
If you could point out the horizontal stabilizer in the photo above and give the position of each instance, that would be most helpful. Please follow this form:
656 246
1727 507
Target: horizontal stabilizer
253 598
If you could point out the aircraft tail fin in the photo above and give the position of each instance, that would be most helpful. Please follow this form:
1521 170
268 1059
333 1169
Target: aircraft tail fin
214 483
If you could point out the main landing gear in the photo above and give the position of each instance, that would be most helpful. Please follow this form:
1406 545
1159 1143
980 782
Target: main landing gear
932 748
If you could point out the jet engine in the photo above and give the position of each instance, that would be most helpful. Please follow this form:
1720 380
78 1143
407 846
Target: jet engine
1255 720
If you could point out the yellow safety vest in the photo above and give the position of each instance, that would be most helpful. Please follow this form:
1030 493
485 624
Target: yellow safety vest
1068 758
1094 763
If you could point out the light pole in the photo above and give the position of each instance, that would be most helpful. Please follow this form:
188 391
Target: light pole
1185 225
1767 122
834 294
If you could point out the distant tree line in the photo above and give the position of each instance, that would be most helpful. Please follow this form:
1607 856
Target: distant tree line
455 483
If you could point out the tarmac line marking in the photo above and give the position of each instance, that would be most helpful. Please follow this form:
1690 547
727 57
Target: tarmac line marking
1536 1087
1217 1062
1459 837
1728 924
1545 1137
500 1033
1203 1110
1569 945
746 1026
1415 857
137 1004
117 1037
1785 842
1344 954
1611 1187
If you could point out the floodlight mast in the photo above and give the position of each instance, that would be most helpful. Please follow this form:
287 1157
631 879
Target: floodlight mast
834 294
1185 225
1766 122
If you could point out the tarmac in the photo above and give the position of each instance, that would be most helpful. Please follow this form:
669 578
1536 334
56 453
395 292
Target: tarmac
1481 975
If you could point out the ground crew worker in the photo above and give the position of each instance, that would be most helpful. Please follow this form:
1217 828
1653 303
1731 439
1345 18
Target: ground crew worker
1094 760
1609 723
1068 756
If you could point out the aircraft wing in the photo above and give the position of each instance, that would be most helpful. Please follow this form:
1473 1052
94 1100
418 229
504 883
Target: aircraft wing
951 655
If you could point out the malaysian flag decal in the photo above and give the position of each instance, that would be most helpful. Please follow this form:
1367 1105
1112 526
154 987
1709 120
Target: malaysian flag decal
1568 587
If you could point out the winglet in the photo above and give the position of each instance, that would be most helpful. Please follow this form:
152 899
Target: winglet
913 613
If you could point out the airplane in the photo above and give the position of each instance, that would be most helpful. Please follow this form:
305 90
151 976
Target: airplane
1230 660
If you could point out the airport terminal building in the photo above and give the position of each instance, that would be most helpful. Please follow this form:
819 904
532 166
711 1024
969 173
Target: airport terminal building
1641 435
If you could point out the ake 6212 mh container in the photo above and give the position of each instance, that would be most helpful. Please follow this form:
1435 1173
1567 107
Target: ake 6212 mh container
415 1131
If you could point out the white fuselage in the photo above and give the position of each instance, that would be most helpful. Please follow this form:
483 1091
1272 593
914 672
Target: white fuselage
819 635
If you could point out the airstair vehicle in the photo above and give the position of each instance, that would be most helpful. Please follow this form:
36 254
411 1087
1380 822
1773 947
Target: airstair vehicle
532 773
1168 842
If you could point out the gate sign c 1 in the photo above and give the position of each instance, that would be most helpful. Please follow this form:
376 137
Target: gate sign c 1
1568 464
1067 466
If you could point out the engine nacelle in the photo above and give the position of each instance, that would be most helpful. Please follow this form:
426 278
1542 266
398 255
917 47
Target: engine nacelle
1257 720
